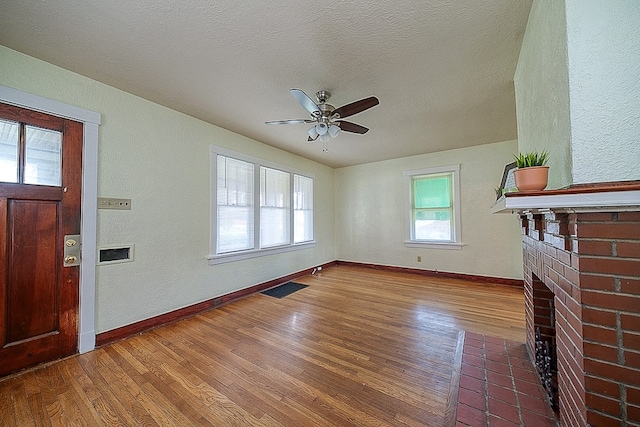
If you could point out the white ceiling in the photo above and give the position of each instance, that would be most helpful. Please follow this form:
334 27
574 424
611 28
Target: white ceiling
442 70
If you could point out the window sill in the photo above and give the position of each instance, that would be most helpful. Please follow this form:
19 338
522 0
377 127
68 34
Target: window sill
238 256
434 245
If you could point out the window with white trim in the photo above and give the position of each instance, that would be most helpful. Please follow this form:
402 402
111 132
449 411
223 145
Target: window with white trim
433 214
246 223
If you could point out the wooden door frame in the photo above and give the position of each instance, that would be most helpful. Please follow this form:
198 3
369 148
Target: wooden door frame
88 222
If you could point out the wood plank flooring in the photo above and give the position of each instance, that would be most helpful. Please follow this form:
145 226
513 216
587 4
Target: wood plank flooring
359 347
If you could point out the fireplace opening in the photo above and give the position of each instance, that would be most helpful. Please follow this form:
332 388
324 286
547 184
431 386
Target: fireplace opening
545 339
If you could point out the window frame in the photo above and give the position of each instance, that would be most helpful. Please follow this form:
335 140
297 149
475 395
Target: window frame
215 258
410 241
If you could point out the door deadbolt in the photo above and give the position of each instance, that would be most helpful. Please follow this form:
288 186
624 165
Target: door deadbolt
71 250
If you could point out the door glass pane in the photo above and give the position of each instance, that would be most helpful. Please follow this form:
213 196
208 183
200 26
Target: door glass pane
8 151
43 156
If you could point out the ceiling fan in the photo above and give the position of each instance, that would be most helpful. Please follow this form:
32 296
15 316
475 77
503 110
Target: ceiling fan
328 119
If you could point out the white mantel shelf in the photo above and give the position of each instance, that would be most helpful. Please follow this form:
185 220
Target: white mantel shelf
623 196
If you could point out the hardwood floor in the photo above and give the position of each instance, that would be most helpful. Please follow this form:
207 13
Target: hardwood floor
357 347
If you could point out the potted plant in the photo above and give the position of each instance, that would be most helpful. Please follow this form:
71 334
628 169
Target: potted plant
531 174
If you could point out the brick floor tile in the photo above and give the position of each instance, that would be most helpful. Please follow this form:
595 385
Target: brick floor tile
473 360
499 367
532 419
522 363
473 399
470 416
499 422
499 379
504 410
505 394
473 336
472 371
516 348
525 374
471 383
533 403
526 387
472 351
497 356
494 340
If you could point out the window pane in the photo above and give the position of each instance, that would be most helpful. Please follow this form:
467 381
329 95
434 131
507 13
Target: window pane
433 225
8 151
432 192
234 224
235 205
303 209
274 227
43 157
274 207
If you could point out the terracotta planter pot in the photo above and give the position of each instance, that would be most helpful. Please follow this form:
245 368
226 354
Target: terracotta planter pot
534 178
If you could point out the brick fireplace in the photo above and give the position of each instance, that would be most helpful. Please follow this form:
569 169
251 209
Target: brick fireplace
581 255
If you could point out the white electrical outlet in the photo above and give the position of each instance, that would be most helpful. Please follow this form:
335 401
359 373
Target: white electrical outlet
419 259
109 203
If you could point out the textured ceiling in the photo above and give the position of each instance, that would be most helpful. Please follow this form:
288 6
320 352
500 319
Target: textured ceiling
442 70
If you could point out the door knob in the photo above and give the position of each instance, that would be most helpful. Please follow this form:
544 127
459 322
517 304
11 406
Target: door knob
70 259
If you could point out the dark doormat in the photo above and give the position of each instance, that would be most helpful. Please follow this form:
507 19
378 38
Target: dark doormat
284 290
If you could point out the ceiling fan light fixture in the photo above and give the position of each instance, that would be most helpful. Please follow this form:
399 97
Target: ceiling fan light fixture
324 137
322 128
313 133
334 130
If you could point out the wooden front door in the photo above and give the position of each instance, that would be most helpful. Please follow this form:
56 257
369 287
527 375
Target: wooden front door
40 196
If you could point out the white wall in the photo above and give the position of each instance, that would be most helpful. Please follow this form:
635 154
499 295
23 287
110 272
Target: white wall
542 90
160 159
578 89
603 39
370 223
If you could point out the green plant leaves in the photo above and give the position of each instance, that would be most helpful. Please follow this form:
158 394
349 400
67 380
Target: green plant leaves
531 159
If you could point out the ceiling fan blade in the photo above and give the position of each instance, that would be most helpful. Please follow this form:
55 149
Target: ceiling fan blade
306 102
309 139
289 122
356 107
352 127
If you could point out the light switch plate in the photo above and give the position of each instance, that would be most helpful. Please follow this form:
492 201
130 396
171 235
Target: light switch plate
109 203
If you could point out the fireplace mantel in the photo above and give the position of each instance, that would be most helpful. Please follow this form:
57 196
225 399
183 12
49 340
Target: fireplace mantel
619 197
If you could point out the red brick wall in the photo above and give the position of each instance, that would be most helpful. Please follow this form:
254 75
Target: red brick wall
591 262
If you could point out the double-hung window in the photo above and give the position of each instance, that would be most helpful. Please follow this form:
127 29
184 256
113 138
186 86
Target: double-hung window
433 214
257 207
